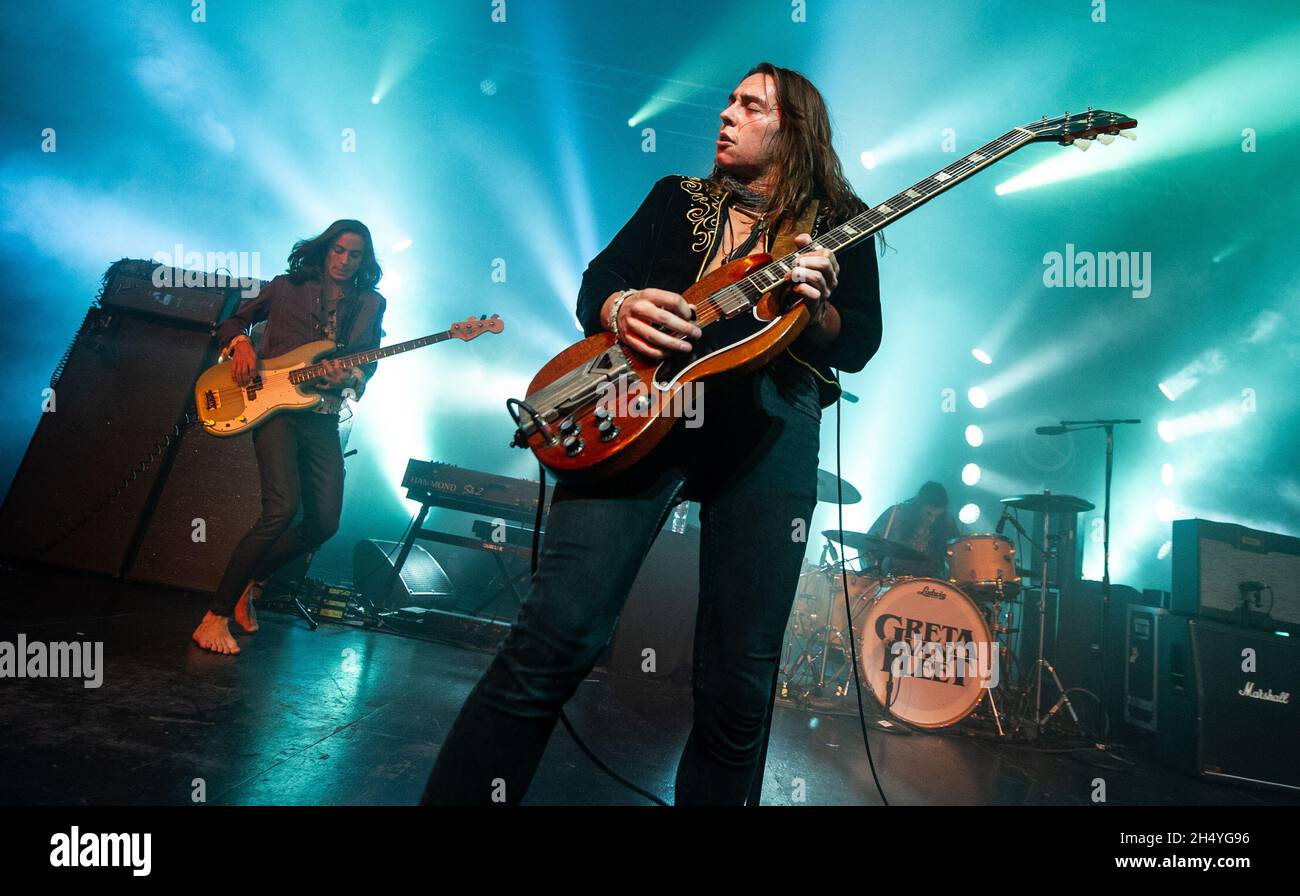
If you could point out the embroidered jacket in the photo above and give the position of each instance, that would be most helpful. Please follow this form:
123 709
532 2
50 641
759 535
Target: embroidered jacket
668 243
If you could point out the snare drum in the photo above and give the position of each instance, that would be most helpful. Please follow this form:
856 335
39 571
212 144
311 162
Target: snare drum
927 652
984 566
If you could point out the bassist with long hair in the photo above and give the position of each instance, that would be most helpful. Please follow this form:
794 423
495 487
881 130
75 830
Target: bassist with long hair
328 293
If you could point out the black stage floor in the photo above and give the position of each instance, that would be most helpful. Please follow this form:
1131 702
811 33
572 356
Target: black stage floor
346 716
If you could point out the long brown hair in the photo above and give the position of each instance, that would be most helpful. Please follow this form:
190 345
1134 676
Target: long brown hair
307 260
803 157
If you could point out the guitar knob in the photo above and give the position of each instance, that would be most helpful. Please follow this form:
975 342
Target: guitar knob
568 426
572 446
602 412
607 430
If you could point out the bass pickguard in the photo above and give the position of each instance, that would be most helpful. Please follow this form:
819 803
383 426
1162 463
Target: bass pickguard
717 337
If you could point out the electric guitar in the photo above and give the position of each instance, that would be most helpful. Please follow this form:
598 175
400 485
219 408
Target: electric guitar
599 406
286 382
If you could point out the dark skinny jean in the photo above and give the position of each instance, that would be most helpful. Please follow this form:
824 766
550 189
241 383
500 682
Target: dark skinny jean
753 467
299 460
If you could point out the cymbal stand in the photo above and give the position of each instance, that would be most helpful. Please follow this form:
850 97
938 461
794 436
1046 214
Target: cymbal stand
1048 554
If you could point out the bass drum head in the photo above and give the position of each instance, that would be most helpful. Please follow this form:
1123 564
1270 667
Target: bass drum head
935 675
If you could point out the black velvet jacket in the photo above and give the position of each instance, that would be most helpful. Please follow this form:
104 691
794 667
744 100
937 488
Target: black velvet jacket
670 240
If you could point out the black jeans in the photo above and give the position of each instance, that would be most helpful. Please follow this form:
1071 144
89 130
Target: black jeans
753 466
299 460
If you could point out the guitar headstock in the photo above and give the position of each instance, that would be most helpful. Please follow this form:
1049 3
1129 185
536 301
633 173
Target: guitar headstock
1081 128
476 326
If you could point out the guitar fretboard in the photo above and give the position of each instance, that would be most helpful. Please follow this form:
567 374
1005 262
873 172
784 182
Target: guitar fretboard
311 372
742 294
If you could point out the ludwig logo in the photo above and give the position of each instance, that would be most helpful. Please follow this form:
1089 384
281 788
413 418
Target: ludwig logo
927 591
1253 692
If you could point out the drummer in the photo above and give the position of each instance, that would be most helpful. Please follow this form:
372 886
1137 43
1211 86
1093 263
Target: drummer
924 524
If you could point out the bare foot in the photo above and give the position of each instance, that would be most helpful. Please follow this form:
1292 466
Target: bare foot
213 634
245 615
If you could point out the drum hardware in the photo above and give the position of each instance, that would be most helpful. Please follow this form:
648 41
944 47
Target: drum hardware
817 627
1046 503
816 656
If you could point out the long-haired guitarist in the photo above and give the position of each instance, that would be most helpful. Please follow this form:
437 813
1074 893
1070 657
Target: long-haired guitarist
327 293
752 463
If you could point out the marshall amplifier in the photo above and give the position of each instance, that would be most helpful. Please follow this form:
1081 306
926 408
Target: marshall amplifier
1237 575
1226 702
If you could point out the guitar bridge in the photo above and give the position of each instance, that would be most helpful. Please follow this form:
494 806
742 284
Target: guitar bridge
576 389
211 400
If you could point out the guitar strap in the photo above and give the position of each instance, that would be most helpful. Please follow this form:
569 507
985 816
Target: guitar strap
783 245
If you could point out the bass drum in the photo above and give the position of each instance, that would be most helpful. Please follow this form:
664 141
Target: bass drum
926 652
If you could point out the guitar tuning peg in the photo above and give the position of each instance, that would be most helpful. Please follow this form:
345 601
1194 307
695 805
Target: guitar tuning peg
1082 144
1128 134
1106 139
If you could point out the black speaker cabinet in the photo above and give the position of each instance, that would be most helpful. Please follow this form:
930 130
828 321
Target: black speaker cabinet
1072 643
1226 703
125 385
422 582
210 499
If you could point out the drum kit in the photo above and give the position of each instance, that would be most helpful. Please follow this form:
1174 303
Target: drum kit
932 651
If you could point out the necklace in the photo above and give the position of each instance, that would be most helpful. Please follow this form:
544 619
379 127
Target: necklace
756 230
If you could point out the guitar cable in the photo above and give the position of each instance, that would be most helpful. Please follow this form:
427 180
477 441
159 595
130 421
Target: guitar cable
848 607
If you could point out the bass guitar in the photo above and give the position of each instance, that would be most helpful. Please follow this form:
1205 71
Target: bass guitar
287 382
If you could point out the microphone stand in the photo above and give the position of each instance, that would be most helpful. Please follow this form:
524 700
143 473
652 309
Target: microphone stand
1109 427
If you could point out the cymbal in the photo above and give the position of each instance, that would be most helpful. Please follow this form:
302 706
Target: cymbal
827 489
1046 503
870 544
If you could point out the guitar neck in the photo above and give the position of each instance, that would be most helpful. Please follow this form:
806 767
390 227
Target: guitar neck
313 371
868 222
